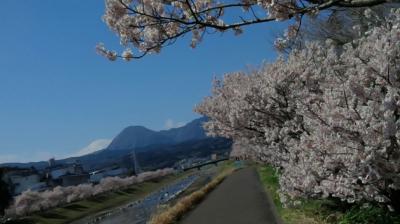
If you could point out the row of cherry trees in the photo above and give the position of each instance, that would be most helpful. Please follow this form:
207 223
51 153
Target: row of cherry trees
327 116
33 201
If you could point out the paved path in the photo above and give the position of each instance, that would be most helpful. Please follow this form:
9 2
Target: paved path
240 199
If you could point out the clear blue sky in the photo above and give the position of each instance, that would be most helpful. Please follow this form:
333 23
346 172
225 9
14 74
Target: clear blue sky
57 95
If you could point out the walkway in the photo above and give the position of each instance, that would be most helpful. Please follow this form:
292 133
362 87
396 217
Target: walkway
240 199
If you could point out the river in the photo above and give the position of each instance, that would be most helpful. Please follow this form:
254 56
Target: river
139 212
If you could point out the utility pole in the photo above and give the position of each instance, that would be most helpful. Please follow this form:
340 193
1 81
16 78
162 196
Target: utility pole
136 164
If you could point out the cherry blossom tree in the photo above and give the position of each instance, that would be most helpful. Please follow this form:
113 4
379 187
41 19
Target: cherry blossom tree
327 116
341 25
33 201
150 25
354 150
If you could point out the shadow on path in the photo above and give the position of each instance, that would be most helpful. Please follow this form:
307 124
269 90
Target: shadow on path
240 199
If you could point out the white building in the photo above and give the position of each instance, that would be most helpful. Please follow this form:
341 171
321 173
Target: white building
96 176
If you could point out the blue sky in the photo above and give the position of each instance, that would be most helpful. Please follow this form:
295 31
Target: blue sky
57 95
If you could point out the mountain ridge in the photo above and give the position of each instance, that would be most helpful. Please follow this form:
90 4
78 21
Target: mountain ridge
175 143
138 136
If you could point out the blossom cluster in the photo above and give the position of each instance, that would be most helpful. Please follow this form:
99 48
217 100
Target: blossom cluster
328 116
149 25
32 201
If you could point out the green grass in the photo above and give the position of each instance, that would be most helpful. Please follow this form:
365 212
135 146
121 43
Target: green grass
270 180
323 211
310 211
93 205
372 214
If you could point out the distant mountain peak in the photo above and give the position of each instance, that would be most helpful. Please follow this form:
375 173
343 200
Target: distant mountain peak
136 127
139 136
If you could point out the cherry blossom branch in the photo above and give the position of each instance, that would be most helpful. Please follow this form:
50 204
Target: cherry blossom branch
148 25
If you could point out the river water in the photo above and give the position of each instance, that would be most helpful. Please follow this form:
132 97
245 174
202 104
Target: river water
139 212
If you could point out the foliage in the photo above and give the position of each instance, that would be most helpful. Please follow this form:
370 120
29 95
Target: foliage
327 116
369 214
5 196
32 201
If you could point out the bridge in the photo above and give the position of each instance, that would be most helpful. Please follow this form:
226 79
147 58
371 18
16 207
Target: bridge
198 166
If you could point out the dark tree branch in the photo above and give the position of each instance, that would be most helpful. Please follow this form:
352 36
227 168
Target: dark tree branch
199 20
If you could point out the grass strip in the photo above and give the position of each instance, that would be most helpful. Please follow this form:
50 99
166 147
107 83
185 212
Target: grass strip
323 211
310 211
83 208
173 213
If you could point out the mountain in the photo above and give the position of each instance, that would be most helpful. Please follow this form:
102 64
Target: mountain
38 165
191 131
154 156
139 136
154 149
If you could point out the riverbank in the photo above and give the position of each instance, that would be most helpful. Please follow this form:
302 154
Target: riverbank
83 208
139 211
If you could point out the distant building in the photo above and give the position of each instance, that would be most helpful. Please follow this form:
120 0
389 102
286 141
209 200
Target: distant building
74 179
182 164
21 180
190 162
52 162
96 176
116 171
56 172
66 174
214 156
41 186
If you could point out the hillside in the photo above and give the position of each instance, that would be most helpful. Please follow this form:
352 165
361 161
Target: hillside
154 156
154 149
139 136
